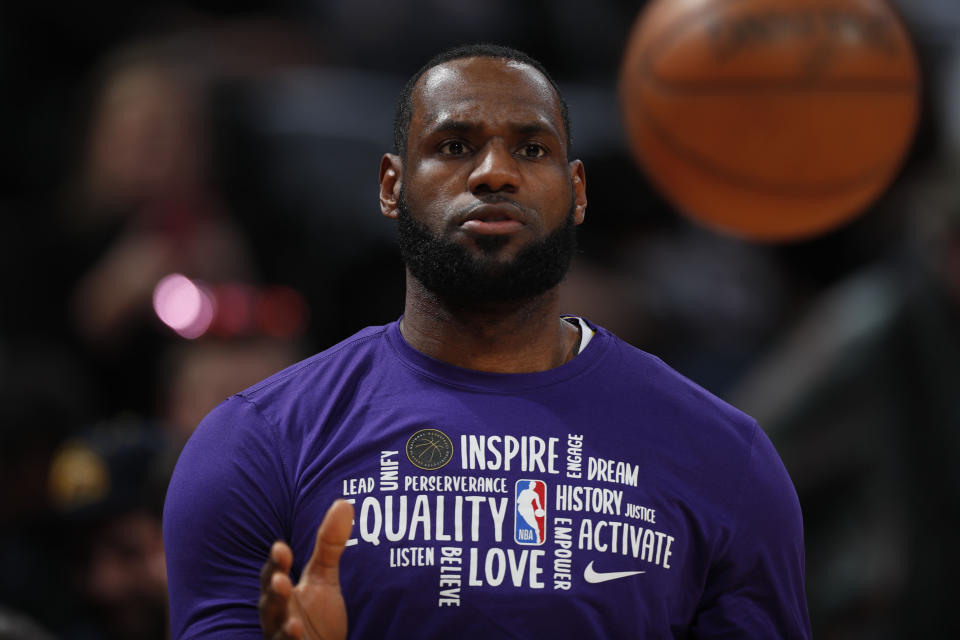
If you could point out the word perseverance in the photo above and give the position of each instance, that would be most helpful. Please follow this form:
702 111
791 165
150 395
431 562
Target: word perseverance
455 483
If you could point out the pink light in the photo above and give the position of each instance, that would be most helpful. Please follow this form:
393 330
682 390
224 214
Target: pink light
183 306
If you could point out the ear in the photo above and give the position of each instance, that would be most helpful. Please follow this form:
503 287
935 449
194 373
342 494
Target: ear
578 178
391 172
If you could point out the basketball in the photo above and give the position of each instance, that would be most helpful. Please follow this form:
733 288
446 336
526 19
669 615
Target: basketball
539 513
771 120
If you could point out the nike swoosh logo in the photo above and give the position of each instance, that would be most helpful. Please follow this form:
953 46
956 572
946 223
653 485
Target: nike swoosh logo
594 577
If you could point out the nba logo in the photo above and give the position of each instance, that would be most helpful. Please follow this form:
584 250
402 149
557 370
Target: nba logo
530 512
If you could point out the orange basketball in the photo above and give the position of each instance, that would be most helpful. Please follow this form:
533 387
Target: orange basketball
770 119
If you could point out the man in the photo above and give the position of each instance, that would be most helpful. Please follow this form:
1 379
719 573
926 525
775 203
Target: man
666 512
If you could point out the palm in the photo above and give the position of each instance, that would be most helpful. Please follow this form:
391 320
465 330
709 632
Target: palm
321 609
314 609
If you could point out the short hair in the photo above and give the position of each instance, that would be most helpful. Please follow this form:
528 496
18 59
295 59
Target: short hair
404 111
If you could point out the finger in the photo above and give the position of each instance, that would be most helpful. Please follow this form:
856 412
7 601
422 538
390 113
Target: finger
332 537
275 589
274 604
280 559
293 629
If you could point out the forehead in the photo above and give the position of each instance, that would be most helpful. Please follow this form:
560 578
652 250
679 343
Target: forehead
490 91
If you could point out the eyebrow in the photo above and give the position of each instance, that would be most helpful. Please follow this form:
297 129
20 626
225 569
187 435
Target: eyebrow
467 126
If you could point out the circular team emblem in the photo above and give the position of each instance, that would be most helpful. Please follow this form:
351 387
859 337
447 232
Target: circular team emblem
429 449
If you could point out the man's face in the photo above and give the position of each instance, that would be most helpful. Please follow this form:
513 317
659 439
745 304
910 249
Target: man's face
486 182
447 269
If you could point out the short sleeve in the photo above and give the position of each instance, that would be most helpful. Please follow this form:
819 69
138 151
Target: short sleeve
755 588
227 503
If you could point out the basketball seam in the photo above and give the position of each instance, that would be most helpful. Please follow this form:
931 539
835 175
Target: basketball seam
736 178
808 84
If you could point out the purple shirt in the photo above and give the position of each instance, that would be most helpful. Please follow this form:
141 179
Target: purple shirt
606 498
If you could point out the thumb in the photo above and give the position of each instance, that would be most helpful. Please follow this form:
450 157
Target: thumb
324 565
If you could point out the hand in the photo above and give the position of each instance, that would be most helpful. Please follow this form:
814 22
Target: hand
314 609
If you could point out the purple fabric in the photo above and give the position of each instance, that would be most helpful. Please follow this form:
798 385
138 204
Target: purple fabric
612 467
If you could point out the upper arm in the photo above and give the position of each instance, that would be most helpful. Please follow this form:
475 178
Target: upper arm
228 501
755 589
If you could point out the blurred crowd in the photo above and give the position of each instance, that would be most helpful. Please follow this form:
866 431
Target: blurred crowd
188 199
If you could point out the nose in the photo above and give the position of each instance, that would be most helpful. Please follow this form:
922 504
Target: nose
496 170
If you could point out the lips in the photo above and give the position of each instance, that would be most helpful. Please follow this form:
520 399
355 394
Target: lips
490 219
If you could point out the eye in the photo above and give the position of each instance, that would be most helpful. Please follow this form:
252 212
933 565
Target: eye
453 148
532 150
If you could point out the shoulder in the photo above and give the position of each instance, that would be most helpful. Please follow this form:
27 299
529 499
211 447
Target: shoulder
352 352
277 411
721 463
706 434
701 445
322 376
663 391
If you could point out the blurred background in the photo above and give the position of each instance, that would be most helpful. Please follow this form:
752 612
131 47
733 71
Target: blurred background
188 194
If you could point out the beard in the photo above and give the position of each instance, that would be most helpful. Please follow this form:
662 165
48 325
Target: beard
460 279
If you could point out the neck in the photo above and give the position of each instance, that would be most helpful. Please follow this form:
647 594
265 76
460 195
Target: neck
511 337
